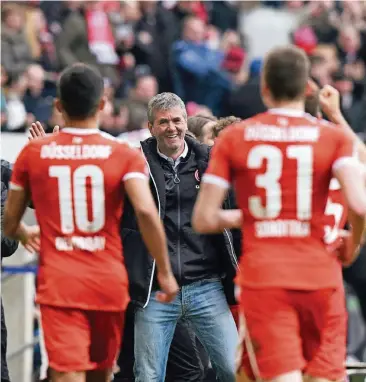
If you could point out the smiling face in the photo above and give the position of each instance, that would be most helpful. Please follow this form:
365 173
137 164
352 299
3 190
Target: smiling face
169 128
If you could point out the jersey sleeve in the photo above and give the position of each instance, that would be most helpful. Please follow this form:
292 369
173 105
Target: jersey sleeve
344 151
136 166
20 176
219 168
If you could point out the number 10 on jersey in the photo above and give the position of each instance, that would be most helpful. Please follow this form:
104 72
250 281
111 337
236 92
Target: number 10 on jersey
72 196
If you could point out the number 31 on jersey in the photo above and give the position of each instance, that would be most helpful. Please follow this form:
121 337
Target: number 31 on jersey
270 180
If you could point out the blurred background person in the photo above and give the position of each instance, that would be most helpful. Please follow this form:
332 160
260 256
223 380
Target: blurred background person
201 127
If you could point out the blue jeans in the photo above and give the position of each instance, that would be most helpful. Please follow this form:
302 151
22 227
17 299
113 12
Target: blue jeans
203 304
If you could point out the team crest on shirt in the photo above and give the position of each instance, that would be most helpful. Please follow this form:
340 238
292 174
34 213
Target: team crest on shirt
197 177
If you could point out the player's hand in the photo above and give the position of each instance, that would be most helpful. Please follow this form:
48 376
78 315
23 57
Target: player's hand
345 249
37 131
329 100
30 238
169 287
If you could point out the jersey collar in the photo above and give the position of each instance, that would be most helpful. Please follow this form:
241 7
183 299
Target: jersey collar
78 131
287 112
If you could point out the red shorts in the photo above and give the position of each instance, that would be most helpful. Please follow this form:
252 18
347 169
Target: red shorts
78 340
293 330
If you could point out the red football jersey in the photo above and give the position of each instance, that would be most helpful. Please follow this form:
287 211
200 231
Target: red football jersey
336 212
76 182
281 163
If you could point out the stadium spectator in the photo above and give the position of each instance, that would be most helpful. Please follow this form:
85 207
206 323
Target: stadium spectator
245 100
17 117
87 37
176 165
146 87
36 101
155 33
16 53
197 67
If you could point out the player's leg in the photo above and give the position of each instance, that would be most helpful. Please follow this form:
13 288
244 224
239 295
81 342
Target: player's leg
67 341
99 375
106 335
328 315
154 330
270 343
73 376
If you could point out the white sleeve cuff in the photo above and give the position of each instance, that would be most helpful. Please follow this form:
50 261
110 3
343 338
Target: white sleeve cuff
349 161
216 180
134 175
15 187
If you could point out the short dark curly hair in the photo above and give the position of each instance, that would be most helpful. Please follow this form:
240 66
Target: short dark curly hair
222 123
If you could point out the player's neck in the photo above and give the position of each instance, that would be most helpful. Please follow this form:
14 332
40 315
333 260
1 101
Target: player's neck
90 123
294 105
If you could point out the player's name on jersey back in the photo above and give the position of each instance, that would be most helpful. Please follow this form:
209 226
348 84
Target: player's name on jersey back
282 228
273 133
75 151
85 243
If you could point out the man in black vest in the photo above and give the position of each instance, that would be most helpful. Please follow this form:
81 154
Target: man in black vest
202 264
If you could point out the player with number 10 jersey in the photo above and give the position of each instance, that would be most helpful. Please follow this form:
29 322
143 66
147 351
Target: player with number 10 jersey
77 181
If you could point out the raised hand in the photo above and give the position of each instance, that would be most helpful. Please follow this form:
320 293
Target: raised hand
329 100
37 131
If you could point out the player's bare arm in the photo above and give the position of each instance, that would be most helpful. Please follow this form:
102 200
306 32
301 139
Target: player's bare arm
14 228
351 178
153 234
208 216
357 236
329 99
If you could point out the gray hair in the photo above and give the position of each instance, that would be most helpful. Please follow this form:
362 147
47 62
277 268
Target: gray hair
164 101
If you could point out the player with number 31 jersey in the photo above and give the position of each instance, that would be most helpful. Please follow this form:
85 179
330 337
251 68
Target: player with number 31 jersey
281 163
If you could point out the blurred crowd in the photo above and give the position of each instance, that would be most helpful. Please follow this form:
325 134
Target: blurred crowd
209 53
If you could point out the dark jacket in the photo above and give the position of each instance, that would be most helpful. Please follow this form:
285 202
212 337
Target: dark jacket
217 250
16 53
8 246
